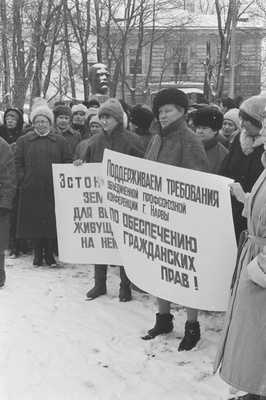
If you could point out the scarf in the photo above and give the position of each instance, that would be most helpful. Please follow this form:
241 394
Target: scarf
248 143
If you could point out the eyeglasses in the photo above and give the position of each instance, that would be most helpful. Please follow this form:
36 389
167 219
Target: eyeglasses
41 122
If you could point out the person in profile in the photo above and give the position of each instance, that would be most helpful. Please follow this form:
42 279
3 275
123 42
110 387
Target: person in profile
99 79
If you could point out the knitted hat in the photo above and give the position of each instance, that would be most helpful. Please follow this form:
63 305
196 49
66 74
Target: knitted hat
112 107
141 116
208 116
40 107
254 107
79 108
233 115
62 110
13 113
95 120
171 95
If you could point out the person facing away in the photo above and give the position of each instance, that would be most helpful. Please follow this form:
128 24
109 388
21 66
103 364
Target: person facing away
62 118
208 121
114 137
243 162
241 352
34 155
140 119
176 145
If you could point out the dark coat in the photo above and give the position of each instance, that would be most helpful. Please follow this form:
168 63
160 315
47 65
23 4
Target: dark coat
73 137
120 140
12 135
7 175
34 156
244 169
216 154
84 130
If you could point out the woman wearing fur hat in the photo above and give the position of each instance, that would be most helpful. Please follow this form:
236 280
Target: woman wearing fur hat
79 121
35 153
241 352
243 163
208 121
177 145
62 118
231 125
114 137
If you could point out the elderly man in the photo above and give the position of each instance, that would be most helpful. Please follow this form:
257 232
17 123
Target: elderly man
99 79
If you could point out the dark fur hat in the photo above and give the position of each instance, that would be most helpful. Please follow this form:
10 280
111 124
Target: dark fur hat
171 95
208 116
141 116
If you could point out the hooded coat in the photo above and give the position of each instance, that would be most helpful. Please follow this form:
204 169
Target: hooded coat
12 135
241 352
34 156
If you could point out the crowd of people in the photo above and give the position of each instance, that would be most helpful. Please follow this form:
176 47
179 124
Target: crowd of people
226 138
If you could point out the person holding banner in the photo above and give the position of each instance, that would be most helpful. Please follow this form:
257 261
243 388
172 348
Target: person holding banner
114 137
177 145
241 352
34 155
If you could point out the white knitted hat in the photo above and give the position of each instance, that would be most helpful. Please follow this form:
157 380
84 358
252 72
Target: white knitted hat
79 108
40 107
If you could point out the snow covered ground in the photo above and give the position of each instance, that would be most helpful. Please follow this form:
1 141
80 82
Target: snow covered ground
55 345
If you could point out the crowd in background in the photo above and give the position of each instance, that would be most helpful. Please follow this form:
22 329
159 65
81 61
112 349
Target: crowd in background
224 138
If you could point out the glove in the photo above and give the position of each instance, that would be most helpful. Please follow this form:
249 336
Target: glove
4 211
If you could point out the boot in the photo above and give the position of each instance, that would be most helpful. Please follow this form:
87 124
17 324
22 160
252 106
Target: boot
49 245
38 252
124 291
164 324
2 270
192 336
100 273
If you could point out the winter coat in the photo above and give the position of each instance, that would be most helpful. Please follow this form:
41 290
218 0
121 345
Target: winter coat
244 169
179 146
120 140
216 154
241 350
84 130
34 156
73 137
7 175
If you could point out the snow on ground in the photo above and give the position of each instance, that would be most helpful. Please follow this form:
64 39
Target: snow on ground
55 345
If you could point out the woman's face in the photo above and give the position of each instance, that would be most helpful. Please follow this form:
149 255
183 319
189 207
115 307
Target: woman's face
42 124
95 128
205 133
228 127
79 118
168 114
250 128
108 122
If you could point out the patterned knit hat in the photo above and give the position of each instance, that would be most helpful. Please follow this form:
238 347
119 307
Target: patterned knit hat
254 107
62 110
112 107
233 115
171 95
40 107
12 112
208 116
141 116
79 108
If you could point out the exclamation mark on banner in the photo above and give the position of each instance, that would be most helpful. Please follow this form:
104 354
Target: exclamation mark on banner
196 283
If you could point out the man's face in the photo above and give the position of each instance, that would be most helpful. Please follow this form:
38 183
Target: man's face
62 121
100 79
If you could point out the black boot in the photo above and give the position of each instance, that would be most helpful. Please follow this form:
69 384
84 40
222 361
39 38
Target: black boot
164 324
49 245
100 273
38 252
124 291
192 336
2 270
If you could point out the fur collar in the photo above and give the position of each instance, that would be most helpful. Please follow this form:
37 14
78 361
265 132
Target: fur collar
248 143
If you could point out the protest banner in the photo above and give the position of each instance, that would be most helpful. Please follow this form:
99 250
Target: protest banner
84 231
174 229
